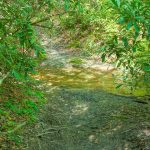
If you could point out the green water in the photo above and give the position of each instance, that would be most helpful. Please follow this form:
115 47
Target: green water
86 78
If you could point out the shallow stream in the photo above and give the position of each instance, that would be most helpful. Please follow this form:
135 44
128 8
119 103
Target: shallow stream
85 111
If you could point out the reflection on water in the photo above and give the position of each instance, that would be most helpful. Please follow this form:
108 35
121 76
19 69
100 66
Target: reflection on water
84 78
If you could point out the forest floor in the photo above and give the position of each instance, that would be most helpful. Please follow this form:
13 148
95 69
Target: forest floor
84 110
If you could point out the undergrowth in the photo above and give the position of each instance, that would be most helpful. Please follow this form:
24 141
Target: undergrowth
19 104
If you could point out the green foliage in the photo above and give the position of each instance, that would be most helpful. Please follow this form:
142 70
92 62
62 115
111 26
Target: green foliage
113 28
83 27
15 138
132 53
23 103
26 107
118 29
19 45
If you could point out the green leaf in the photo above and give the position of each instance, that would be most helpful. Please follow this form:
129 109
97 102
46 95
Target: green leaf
116 39
103 48
118 3
147 68
114 2
119 63
16 74
125 41
121 20
66 5
38 50
129 25
136 27
119 85
136 35
148 31
80 9
139 18
134 49
103 57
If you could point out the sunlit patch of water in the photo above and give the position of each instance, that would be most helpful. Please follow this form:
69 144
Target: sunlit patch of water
73 77
79 109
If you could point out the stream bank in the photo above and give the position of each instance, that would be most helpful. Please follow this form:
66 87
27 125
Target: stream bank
84 110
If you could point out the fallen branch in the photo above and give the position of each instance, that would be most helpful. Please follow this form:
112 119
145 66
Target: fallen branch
55 128
46 131
42 26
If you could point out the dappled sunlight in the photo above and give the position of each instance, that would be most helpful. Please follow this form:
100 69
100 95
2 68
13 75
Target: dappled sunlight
147 132
116 128
49 84
70 80
86 76
93 139
50 75
71 69
60 77
79 109
91 74
79 78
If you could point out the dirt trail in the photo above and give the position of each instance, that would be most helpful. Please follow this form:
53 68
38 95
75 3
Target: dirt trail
84 111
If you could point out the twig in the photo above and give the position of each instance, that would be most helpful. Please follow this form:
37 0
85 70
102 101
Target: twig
15 129
127 130
42 26
18 127
55 130
2 80
44 133
39 143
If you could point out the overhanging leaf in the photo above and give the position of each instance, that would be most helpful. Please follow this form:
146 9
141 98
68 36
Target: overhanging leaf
136 27
121 20
66 6
119 85
134 49
129 25
118 3
16 74
125 41
103 57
